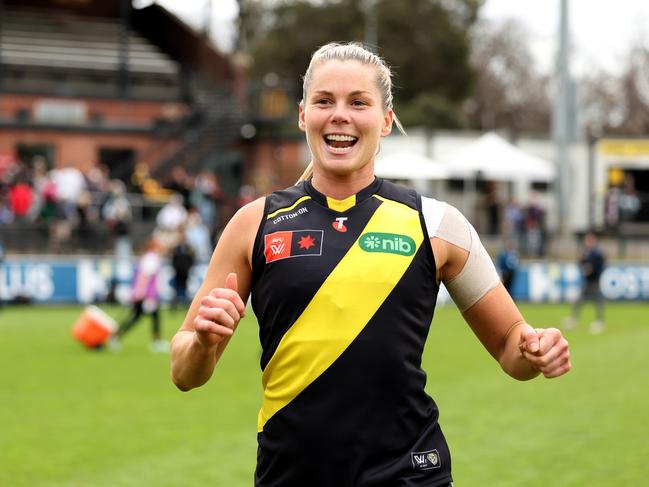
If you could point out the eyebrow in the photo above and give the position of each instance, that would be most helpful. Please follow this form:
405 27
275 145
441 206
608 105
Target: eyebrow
353 93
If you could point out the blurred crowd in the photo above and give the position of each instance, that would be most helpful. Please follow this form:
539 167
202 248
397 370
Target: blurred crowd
65 202
522 225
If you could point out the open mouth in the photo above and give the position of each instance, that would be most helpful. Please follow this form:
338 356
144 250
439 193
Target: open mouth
340 143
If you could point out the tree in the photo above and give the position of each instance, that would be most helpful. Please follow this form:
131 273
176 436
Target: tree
508 94
618 104
425 41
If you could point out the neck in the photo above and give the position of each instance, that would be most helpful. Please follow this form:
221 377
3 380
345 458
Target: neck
342 186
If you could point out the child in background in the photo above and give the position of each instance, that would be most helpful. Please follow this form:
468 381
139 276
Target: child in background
145 298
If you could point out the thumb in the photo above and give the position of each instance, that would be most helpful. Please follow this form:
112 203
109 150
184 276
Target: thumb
231 282
530 340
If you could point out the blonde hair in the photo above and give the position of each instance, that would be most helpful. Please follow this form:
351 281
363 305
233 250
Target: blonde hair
352 51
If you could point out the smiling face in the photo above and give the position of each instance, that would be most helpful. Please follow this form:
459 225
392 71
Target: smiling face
343 117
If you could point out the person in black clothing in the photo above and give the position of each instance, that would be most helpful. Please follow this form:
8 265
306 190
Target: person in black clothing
508 264
592 263
182 260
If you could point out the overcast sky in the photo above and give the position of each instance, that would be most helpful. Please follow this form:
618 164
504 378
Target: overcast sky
602 30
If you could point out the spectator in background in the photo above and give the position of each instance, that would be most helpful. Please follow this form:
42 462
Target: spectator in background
591 264
181 183
612 207
70 184
20 199
629 202
535 227
145 298
144 183
118 213
44 205
182 261
507 263
198 237
207 197
514 225
492 208
6 215
170 220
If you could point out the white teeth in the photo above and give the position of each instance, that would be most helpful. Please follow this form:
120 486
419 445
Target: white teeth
340 138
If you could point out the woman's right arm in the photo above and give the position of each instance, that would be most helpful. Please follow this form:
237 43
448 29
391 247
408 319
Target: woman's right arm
219 303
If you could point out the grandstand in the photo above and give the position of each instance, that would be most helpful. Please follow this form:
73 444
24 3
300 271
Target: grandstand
101 84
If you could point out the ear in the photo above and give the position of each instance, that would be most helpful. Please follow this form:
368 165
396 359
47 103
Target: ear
300 120
388 118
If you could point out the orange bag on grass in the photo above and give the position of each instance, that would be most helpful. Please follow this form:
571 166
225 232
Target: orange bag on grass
94 327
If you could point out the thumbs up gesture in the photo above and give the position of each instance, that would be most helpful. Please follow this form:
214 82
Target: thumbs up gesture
219 313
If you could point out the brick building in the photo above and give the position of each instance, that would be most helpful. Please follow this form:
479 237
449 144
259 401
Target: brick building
88 82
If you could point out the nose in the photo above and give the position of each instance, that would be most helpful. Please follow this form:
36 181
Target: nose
340 113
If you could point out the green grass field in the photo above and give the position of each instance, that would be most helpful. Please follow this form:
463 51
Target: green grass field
72 417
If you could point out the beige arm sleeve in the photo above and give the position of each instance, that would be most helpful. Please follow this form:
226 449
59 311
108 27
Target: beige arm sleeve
479 275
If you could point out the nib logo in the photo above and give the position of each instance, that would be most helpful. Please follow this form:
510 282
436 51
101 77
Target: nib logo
388 243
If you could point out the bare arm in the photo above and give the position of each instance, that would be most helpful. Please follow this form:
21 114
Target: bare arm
219 303
522 351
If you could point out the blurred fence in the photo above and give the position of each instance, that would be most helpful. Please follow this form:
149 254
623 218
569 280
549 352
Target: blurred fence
88 279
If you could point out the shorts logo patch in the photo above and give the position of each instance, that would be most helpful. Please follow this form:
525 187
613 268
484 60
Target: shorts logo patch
296 243
425 460
390 243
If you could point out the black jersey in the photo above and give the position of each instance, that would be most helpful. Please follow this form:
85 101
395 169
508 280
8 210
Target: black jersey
344 292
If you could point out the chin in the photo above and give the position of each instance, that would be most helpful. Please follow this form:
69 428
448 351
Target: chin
343 168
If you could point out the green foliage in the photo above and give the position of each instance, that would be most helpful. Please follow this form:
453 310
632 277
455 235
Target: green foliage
426 42
427 49
431 111
71 417
297 30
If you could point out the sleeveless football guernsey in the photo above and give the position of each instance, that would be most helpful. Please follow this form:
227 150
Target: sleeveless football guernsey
344 292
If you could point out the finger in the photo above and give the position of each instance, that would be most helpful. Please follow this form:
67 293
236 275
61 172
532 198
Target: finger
202 325
561 369
220 316
546 361
529 341
210 302
548 338
232 295
553 360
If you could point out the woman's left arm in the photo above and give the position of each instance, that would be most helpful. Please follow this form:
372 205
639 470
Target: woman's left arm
522 351
464 266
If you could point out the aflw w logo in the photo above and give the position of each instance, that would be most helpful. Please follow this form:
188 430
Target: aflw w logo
425 460
277 249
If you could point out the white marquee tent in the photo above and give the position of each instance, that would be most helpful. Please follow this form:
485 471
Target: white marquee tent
409 165
493 158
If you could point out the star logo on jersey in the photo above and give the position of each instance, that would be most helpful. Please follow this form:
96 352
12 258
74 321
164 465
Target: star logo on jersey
306 242
294 243
339 224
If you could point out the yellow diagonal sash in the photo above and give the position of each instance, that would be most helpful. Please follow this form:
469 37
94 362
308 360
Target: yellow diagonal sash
339 310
